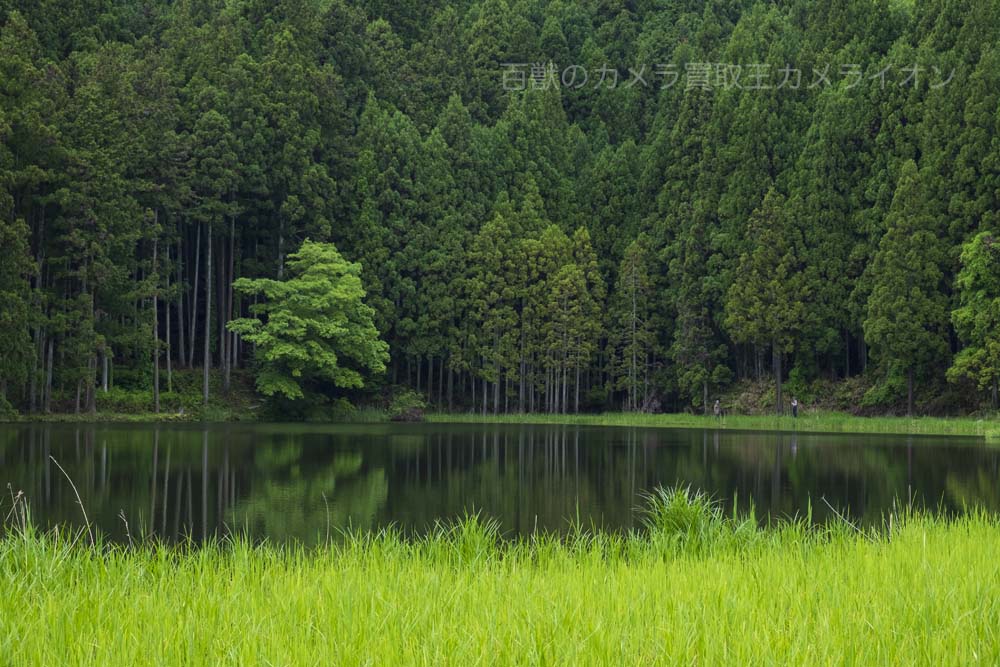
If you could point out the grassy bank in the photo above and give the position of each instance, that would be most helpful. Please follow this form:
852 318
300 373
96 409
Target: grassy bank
816 422
828 422
694 589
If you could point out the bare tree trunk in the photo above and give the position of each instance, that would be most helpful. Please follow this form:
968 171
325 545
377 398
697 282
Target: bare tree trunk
228 337
576 401
220 286
994 396
166 309
909 391
156 324
39 349
193 315
847 353
451 395
430 379
776 353
181 357
206 358
633 388
91 386
47 401
704 396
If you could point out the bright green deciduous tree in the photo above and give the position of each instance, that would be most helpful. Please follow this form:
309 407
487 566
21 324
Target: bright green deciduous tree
315 327
977 320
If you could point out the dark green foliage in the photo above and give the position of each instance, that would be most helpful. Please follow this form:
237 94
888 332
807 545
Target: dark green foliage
541 249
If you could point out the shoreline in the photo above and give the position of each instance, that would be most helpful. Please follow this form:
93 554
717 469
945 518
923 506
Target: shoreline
821 422
826 422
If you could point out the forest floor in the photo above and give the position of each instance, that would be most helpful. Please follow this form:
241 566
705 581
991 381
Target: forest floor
693 588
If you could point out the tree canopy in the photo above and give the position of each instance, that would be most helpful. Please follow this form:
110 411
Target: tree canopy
313 326
554 205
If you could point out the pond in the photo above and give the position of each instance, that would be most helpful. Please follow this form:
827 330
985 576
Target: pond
304 482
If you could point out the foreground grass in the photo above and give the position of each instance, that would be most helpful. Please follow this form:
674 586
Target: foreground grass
826 422
694 589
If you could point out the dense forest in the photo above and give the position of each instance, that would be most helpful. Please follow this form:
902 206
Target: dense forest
555 205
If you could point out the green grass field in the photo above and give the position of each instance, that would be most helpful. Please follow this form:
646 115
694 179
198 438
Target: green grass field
695 589
829 422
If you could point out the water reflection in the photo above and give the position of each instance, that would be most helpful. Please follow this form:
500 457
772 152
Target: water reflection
304 483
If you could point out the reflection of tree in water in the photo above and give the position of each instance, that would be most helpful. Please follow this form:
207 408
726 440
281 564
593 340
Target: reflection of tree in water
979 491
525 477
293 481
294 496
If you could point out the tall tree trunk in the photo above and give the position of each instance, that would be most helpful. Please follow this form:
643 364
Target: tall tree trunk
39 351
181 357
451 379
47 398
776 353
994 393
909 391
430 379
166 310
156 324
221 308
227 336
633 371
863 350
847 353
193 315
576 400
206 357
704 396
496 369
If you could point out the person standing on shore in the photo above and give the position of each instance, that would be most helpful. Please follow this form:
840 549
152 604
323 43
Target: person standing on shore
795 407
717 409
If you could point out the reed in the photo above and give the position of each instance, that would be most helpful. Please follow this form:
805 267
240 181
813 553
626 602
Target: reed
693 587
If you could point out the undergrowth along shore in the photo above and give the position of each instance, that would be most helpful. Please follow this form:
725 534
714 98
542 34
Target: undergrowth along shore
828 422
695 587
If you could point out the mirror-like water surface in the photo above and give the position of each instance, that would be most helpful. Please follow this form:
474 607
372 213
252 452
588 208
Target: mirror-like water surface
297 482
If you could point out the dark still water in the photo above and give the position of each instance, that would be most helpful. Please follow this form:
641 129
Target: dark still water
286 482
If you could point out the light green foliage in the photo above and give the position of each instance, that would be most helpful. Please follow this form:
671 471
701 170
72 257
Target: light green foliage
977 319
312 327
698 588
